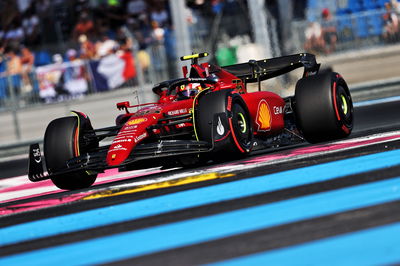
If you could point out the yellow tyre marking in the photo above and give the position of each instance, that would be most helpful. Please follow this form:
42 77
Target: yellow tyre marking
193 107
344 104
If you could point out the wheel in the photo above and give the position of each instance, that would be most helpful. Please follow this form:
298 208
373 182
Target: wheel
227 112
323 107
63 141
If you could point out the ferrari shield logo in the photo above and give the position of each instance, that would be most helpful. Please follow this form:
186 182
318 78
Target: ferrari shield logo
263 118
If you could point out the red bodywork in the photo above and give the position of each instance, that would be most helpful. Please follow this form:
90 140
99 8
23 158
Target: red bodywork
266 110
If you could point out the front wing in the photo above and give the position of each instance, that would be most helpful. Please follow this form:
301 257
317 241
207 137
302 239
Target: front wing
97 161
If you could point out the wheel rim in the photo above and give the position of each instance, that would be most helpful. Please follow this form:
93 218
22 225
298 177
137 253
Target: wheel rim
344 104
242 123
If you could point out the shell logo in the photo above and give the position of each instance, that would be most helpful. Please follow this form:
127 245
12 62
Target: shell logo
136 121
264 117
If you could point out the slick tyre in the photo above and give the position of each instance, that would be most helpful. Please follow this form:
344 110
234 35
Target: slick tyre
323 107
227 112
62 142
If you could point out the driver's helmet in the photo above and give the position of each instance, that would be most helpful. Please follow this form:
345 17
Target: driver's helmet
190 89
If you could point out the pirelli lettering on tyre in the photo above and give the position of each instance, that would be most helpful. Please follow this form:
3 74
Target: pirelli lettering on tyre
264 117
136 121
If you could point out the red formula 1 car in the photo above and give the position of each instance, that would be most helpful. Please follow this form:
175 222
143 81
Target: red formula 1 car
206 115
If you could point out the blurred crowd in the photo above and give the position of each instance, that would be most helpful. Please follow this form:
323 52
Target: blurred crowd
88 29
35 33
38 33
322 35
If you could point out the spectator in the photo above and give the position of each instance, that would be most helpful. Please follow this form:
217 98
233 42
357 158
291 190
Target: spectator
84 26
159 13
71 55
105 46
314 42
391 28
158 51
14 64
87 49
329 32
75 76
27 60
14 68
111 66
395 6
157 32
125 53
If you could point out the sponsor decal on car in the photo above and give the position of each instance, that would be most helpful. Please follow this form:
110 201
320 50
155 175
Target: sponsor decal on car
130 127
37 156
122 140
118 147
182 125
178 112
220 127
278 110
136 121
139 138
264 117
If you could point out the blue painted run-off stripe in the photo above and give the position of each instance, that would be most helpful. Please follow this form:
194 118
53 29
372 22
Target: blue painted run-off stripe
154 239
195 197
376 246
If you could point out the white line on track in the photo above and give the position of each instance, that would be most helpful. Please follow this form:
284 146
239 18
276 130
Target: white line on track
377 101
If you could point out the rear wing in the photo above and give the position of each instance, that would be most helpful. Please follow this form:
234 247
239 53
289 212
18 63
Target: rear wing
256 71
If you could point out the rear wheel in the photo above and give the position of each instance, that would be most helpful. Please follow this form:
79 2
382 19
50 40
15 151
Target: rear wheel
324 108
63 141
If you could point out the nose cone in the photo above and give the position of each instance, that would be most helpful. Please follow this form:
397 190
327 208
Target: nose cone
115 158
120 149
130 135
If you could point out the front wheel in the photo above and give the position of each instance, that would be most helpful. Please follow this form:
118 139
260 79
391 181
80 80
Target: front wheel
63 141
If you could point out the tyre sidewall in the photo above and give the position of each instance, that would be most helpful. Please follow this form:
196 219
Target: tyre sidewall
61 143
318 110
